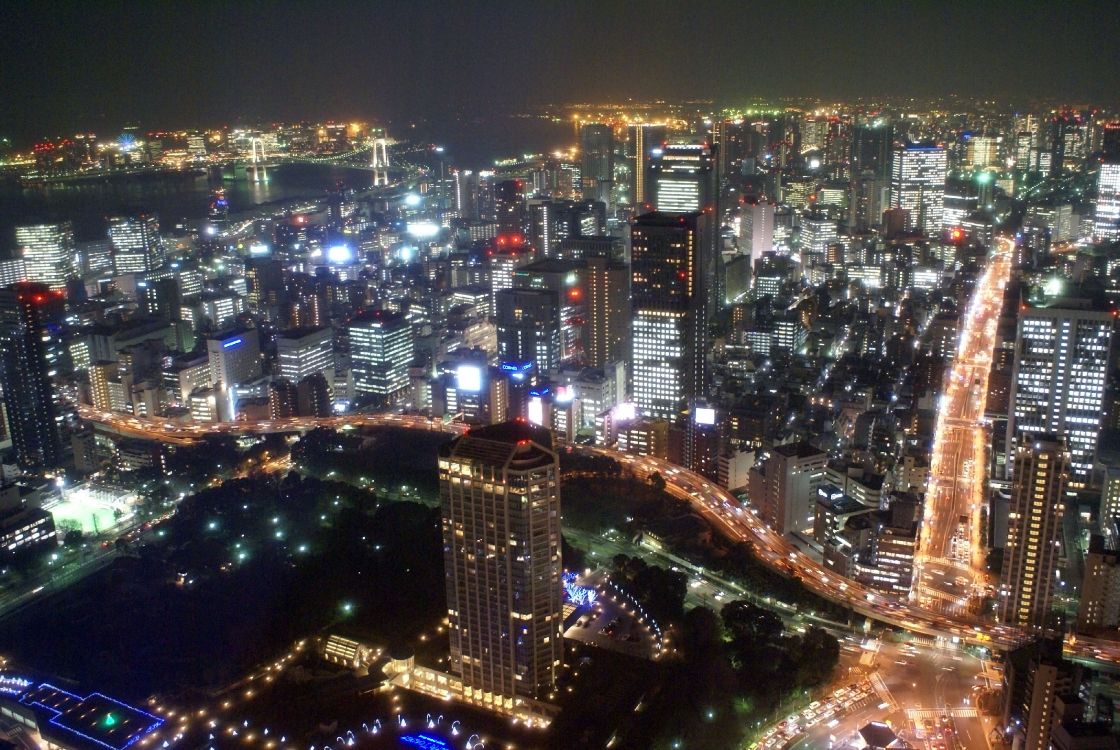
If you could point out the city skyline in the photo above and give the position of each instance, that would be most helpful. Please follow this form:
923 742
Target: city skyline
155 66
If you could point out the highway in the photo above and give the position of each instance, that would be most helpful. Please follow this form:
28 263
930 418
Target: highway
730 518
950 565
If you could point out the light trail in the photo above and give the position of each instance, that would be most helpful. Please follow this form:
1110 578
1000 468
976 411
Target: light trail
956 494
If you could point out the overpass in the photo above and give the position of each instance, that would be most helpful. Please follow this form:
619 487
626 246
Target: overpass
722 509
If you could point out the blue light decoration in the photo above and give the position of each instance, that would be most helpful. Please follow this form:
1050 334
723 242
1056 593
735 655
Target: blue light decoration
232 343
540 391
12 685
55 720
424 741
581 596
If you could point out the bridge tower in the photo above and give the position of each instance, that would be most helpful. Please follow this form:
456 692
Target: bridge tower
258 157
380 162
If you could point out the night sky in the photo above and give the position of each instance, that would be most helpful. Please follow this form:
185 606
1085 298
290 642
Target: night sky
98 65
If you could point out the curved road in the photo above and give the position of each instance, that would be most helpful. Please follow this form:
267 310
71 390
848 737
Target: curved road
713 502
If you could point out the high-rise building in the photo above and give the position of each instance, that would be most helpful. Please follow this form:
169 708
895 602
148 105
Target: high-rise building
137 245
304 352
607 302
918 185
49 253
528 322
1034 529
872 144
1106 209
667 295
596 146
30 347
1099 608
235 357
509 207
682 177
1059 379
756 229
500 496
643 140
381 348
783 486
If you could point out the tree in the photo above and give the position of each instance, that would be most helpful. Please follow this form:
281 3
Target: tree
746 621
657 481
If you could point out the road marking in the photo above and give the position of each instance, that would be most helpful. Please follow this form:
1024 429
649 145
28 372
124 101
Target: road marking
967 712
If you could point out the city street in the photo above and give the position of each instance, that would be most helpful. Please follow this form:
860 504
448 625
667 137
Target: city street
950 561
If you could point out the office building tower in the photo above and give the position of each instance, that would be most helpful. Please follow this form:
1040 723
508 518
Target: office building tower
304 352
505 256
817 233
235 357
313 396
596 146
49 253
509 207
1034 529
1042 706
500 496
30 348
918 185
528 322
643 140
982 151
283 398
1099 608
137 245
683 179
668 291
381 348
783 486
607 303
1059 377
756 228
12 271
1106 208
872 144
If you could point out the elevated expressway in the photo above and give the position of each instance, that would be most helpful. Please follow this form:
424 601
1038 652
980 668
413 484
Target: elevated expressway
722 509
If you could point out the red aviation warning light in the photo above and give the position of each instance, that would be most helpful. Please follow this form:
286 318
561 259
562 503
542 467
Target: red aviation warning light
956 235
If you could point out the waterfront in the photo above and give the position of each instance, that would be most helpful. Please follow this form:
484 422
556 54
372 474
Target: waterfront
471 143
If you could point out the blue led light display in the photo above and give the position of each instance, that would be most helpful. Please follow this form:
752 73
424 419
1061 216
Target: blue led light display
581 596
425 741
232 343
149 722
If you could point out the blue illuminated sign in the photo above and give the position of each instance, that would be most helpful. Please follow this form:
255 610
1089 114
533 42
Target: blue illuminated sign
232 343
517 366
425 741
540 392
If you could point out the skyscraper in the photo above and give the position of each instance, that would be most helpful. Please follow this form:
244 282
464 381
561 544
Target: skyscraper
682 177
668 291
1059 378
304 352
1106 208
381 348
596 145
756 229
643 139
607 302
500 496
509 207
528 322
30 347
1034 529
918 185
49 253
137 245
